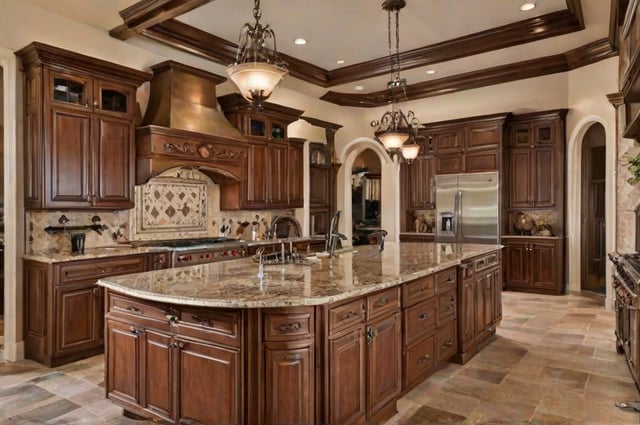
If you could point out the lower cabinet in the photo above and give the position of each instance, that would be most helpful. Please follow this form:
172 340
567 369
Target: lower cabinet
64 314
347 376
534 264
480 309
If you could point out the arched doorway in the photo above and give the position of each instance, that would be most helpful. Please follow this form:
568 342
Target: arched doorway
592 217
366 205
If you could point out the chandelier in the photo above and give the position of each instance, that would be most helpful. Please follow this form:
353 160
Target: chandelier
395 127
257 69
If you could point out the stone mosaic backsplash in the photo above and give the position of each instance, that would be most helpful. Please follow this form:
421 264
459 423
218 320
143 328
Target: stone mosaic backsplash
179 204
628 199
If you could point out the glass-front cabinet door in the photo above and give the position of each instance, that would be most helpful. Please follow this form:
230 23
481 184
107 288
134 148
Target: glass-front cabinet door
68 89
113 98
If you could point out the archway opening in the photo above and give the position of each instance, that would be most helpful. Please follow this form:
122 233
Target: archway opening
366 196
592 200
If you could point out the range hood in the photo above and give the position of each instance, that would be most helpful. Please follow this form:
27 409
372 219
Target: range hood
182 127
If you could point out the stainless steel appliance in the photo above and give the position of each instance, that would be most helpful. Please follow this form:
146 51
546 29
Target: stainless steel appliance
626 283
188 252
467 208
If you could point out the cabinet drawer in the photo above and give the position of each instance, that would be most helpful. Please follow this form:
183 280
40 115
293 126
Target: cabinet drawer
446 342
346 315
152 314
446 307
78 271
210 325
419 361
418 290
446 279
419 320
486 261
384 302
293 324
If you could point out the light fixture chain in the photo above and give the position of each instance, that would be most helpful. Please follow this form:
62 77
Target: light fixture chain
397 56
257 13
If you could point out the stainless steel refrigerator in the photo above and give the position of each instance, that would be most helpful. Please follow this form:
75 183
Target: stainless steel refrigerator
467 208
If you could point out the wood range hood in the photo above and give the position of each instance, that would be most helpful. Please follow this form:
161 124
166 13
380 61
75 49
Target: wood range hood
182 127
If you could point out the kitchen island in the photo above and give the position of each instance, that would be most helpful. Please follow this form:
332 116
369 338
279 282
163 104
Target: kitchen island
327 341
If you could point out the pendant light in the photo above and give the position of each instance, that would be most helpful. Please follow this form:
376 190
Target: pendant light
395 127
258 69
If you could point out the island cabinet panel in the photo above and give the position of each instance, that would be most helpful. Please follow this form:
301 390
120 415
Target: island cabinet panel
347 376
480 305
384 363
64 308
124 370
157 373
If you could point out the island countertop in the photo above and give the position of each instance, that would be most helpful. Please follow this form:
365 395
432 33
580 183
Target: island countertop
235 284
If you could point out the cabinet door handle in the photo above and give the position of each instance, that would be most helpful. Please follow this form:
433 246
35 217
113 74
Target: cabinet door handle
172 319
95 102
134 309
383 301
448 344
203 320
423 359
371 334
290 327
423 316
135 331
349 315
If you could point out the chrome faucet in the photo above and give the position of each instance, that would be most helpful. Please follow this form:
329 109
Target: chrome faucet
380 234
333 226
333 238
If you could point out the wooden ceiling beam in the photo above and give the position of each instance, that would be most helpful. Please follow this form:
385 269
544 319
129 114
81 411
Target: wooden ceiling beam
147 13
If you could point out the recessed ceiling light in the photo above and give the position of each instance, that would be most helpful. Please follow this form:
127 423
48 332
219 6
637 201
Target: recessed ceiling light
300 41
431 71
527 6
359 88
340 61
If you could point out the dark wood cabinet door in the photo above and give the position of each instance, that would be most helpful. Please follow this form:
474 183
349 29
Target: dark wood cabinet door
482 161
544 258
468 311
450 164
257 175
68 90
517 264
113 164
289 383
544 133
448 142
420 179
67 176
124 354
487 301
384 362
347 379
209 372
520 178
278 173
114 99
497 296
78 311
295 178
158 374
521 135
482 137
543 178
319 187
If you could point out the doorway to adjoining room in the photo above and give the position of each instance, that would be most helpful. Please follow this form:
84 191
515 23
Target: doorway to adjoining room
365 196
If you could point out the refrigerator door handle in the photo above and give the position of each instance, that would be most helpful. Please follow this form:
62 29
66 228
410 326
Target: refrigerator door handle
457 207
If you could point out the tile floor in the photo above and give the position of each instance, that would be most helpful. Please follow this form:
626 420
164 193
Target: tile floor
553 362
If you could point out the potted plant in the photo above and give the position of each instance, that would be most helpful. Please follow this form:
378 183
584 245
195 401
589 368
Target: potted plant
633 165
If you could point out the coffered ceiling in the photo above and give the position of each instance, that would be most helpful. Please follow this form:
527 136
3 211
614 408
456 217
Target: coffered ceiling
468 43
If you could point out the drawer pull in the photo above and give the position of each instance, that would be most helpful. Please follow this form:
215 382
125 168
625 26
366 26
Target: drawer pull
383 301
423 316
448 344
349 315
203 321
371 334
172 319
290 327
135 331
423 359
134 309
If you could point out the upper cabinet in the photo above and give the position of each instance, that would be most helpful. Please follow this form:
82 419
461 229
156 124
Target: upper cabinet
628 21
275 163
467 145
535 167
79 130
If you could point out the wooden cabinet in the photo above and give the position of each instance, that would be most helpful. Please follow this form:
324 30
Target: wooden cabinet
274 165
467 145
480 305
321 188
536 160
64 313
168 365
534 264
364 357
79 130
420 183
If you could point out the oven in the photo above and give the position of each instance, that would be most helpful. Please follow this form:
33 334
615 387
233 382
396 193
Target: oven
189 252
626 282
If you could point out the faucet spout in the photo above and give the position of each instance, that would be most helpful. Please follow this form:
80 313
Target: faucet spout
381 235
333 238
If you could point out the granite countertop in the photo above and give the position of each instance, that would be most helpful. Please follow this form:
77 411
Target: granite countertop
530 237
286 240
235 284
55 256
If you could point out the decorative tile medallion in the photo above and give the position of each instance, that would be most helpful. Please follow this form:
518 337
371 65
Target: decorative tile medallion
168 204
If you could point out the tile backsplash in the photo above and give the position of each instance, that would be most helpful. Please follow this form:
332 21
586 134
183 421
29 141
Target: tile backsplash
182 203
